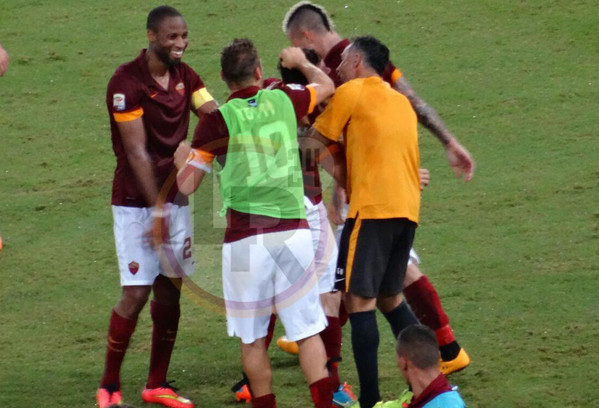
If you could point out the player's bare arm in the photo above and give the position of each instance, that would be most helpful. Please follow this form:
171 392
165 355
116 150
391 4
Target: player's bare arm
425 178
458 157
338 200
327 153
133 136
189 177
3 61
206 108
293 57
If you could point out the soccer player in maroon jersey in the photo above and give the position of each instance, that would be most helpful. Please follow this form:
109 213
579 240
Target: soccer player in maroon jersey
267 263
308 25
325 250
149 101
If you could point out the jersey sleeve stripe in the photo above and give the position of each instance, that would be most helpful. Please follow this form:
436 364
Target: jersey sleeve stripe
128 116
200 159
396 75
312 98
200 97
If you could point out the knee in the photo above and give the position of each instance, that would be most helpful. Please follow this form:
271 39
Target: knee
133 300
167 291
331 302
412 274
387 303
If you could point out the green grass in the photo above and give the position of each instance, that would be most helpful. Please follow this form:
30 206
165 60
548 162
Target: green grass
513 254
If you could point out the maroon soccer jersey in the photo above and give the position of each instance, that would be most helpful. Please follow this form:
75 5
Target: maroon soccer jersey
438 386
133 93
310 173
211 137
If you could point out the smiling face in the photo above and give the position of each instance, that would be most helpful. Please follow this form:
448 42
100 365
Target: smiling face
169 41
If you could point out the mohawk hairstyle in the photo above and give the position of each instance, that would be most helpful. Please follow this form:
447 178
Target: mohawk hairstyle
298 9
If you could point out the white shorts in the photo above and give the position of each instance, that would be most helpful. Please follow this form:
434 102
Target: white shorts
269 273
323 242
414 258
139 263
339 230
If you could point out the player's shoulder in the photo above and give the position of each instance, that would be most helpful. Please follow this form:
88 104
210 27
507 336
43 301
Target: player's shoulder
128 72
450 399
351 87
272 83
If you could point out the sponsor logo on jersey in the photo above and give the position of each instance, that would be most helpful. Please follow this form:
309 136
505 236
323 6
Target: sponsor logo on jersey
180 87
118 101
133 267
295 87
253 103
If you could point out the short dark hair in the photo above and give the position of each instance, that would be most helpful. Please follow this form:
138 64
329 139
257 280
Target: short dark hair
238 60
158 14
307 16
418 344
376 54
294 75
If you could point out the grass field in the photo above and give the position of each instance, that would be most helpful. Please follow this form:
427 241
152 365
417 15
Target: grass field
514 253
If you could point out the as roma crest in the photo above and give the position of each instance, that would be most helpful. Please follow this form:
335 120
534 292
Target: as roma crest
133 267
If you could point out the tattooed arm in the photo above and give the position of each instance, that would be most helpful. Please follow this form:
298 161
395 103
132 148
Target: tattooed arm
458 157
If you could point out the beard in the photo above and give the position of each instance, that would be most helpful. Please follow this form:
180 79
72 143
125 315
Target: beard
165 58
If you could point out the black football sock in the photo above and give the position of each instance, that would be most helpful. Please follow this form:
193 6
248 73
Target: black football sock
365 342
400 318
449 351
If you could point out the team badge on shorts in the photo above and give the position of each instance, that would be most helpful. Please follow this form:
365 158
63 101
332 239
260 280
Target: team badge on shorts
133 267
118 101
180 87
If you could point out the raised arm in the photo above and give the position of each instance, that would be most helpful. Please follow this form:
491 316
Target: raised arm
458 157
293 57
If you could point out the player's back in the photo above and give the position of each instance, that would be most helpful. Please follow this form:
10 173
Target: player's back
262 174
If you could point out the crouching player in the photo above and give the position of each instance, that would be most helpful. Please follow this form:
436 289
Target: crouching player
418 361
267 250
